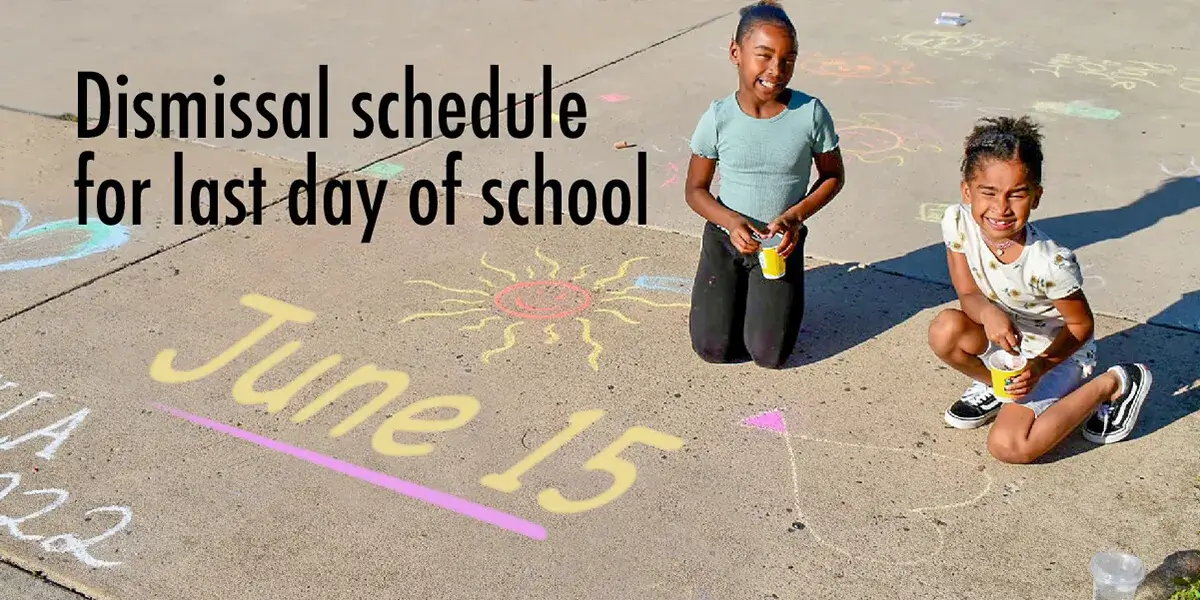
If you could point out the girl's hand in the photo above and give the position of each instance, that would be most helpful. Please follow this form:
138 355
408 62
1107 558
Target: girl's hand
1024 383
1000 329
790 227
741 233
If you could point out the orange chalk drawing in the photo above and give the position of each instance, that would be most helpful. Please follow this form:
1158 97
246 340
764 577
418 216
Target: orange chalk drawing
859 66
881 137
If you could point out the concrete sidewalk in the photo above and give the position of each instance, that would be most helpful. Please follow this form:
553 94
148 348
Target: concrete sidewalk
515 412
281 494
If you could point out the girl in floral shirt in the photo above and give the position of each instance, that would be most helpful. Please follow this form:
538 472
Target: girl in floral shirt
1020 292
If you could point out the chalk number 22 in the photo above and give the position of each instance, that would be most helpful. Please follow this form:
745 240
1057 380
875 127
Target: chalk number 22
66 543
623 472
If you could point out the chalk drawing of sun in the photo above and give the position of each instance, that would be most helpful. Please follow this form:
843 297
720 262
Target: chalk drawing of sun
542 299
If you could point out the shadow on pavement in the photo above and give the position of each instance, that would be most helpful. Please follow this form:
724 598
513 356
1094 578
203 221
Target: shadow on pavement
1173 356
844 308
1159 583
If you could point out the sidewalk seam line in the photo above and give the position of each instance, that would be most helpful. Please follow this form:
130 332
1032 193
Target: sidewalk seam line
46 577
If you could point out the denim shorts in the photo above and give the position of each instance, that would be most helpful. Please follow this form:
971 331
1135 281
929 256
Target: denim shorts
1054 385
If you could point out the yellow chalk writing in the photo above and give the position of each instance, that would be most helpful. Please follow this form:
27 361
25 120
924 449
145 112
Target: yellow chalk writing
623 472
162 369
395 382
384 441
510 480
276 400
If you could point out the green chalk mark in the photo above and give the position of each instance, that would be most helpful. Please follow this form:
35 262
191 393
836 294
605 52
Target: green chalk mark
1077 109
383 170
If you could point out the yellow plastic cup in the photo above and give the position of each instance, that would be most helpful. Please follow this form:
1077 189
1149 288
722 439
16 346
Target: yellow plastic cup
773 265
1004 368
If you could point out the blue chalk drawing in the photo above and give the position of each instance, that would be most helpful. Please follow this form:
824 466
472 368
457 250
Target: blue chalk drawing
679 285
99 238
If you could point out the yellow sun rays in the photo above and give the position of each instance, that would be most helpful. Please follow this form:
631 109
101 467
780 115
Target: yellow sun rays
594 357
510 340
490 300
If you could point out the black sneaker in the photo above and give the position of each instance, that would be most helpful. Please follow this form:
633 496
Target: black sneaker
977 406
1115 420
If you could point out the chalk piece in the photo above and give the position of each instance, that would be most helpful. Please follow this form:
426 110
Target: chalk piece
772 420
614 97
951 18
383 170
622 145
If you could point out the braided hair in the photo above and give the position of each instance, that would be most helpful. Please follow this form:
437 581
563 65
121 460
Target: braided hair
762 12
1004 138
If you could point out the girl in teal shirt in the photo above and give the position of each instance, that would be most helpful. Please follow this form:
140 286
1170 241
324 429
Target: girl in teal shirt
766 138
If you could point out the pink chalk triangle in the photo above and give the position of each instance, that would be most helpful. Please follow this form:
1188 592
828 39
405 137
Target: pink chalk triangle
772 420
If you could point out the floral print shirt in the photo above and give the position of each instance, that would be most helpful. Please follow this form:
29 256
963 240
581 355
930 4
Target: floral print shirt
1025 289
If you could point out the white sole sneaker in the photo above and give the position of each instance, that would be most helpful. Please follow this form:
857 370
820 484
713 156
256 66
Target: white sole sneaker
958 423
973 412
1131 407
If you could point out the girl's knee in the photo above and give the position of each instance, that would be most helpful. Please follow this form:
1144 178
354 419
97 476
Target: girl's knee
946 330
714 349
770 360
714 354
769 355
1009 449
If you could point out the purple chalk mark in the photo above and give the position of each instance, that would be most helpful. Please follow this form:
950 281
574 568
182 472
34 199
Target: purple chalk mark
441 499
772 420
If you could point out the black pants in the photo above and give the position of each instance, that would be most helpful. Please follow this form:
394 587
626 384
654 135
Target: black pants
737 314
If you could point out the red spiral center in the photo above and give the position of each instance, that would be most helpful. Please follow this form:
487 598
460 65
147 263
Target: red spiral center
543 299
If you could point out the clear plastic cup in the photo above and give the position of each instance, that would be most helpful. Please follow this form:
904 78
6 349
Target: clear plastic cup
1116 575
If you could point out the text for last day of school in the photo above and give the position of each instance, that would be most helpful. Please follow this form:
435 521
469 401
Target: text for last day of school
296 116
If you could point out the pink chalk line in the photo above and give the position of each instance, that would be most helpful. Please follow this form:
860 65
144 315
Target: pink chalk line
412 490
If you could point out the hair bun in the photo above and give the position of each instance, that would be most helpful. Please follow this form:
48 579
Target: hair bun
760 4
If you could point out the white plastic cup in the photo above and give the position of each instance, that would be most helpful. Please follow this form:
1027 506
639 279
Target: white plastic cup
1116 575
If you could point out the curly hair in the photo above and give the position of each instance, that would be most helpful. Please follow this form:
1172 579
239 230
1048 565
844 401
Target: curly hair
762 12
1004 138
